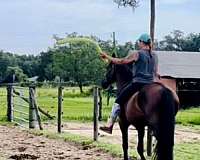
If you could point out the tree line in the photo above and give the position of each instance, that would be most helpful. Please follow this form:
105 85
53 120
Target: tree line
80 64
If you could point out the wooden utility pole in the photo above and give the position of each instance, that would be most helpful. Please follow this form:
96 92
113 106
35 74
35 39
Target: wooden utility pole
114 44
152 20
152 34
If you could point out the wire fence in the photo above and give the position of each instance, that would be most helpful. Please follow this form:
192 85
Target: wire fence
20 106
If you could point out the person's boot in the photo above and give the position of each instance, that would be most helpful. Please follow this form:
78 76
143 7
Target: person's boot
109 127
115 112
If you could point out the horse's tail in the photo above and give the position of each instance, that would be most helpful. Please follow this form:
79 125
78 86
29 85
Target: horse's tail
166 126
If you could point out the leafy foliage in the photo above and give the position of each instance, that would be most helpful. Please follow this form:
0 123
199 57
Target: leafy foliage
17 71
80 41
79 63
177 41
125 3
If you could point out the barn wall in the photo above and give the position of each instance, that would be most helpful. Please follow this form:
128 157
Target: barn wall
189 92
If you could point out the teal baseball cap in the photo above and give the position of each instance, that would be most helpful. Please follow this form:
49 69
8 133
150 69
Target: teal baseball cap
145 38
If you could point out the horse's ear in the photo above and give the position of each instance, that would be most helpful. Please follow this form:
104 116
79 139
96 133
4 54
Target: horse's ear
114 55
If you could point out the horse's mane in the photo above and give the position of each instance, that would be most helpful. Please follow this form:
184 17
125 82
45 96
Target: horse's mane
125 71
123 75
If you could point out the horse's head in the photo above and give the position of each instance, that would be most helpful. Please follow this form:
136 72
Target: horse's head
119 73
110 76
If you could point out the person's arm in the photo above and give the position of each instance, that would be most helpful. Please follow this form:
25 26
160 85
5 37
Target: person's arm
130 58
157 75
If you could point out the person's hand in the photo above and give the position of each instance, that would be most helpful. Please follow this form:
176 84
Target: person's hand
103 55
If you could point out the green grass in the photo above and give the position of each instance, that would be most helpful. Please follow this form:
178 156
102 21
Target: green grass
3 104
79 107
73 108
76 106
187 151
188 117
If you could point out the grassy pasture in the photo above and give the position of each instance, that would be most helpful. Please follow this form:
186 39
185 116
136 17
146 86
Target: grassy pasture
79 107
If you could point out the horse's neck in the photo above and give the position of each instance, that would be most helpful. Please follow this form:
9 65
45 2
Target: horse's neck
123 76
121 84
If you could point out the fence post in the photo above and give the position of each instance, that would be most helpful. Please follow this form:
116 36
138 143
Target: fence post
60 99
149 141
32 109
100 104
96 113
10 103
36 109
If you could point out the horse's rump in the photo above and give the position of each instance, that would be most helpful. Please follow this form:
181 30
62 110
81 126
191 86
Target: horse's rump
146 102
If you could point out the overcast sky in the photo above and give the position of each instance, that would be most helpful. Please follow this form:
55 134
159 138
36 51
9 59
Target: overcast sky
27 26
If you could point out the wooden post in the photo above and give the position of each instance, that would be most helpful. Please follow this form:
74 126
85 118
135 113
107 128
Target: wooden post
36 109
152 34
60 99
10 103
100 105
32 110
152 20
96 113
149 141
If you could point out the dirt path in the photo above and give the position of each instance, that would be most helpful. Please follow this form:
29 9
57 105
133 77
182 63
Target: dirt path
18 144
182 134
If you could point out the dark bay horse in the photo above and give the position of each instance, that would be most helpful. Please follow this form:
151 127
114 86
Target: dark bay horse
154 105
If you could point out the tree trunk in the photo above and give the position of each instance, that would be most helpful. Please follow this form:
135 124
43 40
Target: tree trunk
81 87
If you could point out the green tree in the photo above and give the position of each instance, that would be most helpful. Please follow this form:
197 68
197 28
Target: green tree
45 70
192 43
123 50
173 42
177 41
18 72
6 59
29 64
78 62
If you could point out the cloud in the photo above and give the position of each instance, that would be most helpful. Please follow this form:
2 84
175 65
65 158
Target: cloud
28 25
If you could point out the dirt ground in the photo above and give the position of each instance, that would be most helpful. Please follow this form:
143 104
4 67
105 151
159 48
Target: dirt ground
19 144
182 134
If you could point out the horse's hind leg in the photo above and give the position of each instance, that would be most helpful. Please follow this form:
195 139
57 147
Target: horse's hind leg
140 147
124 130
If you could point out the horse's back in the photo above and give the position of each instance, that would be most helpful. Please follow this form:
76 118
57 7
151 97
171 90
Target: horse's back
145 103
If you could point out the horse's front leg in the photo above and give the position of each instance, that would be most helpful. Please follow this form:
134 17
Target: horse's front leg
124 130
140 147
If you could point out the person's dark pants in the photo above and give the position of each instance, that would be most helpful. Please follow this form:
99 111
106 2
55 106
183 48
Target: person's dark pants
128 91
